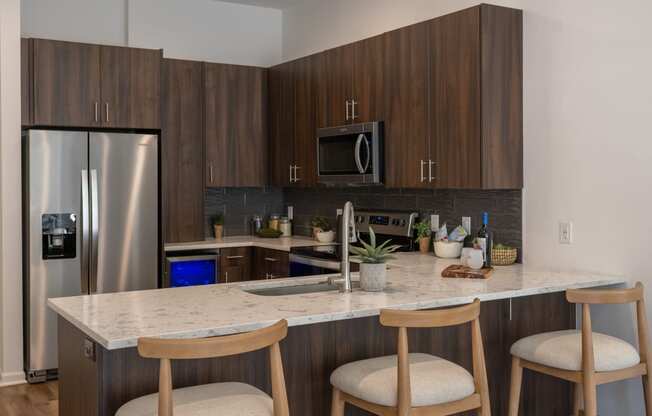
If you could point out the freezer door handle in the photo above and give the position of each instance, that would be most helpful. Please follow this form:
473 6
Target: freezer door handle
95 228
85 217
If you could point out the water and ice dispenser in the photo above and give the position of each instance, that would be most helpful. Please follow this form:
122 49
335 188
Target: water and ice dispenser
59 233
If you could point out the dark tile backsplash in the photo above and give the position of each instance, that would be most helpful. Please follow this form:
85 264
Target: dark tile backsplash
504 207
240 204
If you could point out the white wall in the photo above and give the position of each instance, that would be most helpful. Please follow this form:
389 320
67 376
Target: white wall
206 30
588 146
11 361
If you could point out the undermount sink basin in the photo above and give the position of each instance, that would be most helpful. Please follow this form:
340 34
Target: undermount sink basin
296 289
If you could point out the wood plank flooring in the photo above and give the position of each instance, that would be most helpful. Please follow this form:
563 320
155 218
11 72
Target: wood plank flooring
30 400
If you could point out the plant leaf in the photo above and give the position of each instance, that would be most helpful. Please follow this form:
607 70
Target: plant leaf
372 237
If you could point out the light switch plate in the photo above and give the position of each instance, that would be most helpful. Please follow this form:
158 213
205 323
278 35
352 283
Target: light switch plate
466 224
434 222
565 232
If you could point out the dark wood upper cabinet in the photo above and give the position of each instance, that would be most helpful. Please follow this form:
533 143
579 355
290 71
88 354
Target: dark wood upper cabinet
66 84
406 107
281 123
236 125
306 113
130 87
25 83
368 80
339 63
476 95
182 95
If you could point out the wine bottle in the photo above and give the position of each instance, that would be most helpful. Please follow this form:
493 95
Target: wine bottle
485 239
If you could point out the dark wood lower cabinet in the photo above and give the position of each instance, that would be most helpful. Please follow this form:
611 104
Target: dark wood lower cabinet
100 385
235 264
270 264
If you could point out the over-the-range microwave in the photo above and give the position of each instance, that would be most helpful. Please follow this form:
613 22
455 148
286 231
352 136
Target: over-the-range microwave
351 154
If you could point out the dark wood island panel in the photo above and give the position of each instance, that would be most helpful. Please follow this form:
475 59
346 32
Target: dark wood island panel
98 382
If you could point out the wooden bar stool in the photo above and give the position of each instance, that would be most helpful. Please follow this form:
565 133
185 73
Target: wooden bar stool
224 399
585 358
416 384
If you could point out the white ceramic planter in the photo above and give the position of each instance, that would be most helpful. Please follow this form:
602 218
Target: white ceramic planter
373 277
325 236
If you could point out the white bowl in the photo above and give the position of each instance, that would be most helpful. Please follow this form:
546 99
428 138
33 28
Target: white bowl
448 249
326 236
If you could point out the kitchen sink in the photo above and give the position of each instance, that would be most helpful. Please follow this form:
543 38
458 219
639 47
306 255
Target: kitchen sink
325 286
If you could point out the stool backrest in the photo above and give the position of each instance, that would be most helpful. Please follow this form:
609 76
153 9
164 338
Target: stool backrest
184 349
588 297
435 319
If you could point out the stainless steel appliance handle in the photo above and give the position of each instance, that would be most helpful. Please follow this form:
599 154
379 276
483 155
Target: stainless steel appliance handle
358 163
423 178
95 230
85 216
366 144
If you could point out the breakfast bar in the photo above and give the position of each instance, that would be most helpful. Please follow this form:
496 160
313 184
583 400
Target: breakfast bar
100 369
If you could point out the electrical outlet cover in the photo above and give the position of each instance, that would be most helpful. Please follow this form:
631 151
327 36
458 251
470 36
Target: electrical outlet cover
466 224
565 232
434 222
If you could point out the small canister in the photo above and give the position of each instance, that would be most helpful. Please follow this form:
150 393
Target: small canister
273 221
285 226
256 224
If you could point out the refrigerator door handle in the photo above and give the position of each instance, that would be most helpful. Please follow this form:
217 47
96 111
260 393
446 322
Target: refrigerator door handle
85 217
95 227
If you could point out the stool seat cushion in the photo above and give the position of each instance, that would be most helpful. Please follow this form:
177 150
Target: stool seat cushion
433 380
563 350
224 399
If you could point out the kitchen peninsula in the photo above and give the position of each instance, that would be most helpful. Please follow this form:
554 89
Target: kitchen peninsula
99 367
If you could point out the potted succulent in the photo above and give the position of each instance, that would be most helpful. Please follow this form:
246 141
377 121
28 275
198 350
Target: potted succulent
423 235
322 230
218 226
373 258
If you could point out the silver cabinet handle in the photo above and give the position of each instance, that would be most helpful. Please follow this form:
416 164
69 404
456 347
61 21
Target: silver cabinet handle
423 177
85 217
106 107
234 257
347 110
296 177
95 230
353 114
430 177
97 111
210 172
226 277
291 174
271 259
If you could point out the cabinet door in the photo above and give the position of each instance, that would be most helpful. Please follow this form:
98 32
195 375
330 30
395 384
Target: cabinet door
131 87
277 263
235 265
406 73
182 150
25 84
281 123
66 84
305 142
339 66
455 96
235 107
368 80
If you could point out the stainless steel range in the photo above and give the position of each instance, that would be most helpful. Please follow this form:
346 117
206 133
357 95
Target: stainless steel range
388 225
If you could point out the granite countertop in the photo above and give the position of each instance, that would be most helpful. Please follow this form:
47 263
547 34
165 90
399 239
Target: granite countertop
117 320
282 243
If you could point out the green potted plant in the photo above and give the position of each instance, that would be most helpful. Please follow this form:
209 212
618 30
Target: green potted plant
423 235
322 230
218 226
373 259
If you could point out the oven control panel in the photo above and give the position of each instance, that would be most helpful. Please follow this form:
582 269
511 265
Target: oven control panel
397 223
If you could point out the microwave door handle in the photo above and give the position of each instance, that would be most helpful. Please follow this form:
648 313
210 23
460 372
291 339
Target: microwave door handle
366 144
358 162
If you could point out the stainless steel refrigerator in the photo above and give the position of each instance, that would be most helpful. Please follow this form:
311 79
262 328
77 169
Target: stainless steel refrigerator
90 225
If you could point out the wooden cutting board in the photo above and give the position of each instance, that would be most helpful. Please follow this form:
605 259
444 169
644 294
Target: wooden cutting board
465 272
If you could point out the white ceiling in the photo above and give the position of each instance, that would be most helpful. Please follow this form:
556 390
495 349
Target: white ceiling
272 4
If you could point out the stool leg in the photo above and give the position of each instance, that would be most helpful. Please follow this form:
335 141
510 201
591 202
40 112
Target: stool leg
337 406
577 404
647 394
590 397
515 386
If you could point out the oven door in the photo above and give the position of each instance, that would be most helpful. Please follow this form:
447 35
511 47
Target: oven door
350 154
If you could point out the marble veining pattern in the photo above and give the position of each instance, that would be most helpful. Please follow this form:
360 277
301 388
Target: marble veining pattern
117 320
